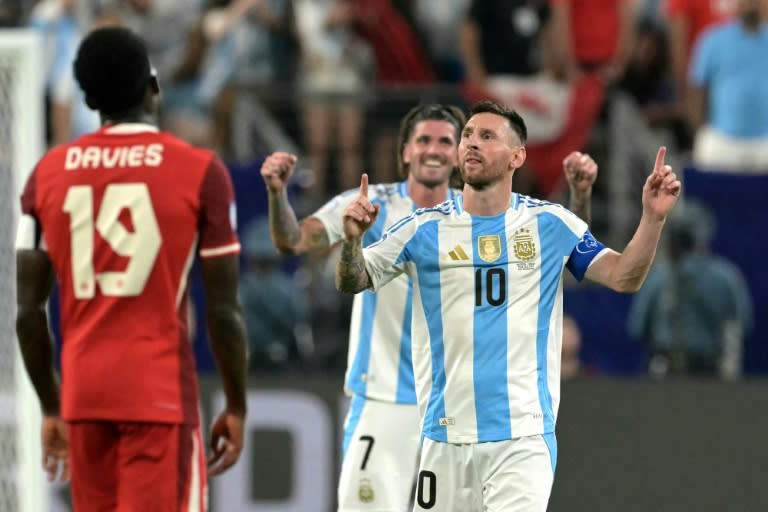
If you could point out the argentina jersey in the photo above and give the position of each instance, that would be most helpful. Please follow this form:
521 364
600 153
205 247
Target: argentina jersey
379 358
487 312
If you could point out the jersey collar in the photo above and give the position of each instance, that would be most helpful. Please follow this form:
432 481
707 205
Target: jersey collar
129 128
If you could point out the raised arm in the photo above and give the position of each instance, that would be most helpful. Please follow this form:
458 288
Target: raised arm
360 214
626 271
580 172
288 234
226 330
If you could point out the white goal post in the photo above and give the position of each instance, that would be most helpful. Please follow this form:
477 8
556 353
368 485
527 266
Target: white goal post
22 481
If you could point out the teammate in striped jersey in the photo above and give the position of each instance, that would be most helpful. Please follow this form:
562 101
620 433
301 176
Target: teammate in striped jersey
382 432
117 217
487 270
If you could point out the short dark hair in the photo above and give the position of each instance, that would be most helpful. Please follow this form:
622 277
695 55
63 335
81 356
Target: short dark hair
515 120
431 112
113 70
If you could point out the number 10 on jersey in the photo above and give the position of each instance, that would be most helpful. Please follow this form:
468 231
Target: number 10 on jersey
140 246
490 286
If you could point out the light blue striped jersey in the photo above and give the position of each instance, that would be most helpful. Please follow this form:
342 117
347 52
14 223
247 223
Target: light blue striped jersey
379 358
487 312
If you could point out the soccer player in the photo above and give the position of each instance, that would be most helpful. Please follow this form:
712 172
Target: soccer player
382 431
116 217
486 269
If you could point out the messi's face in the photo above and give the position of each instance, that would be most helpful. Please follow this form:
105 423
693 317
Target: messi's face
488 150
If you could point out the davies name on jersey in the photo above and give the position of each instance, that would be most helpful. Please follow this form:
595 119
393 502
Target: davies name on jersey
110 157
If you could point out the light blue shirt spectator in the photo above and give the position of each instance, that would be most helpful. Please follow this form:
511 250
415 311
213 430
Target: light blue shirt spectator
729 62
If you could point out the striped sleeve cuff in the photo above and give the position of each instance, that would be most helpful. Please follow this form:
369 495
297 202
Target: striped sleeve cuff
224 250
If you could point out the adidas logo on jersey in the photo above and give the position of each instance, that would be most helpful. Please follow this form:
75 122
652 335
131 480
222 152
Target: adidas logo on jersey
445 422
458 254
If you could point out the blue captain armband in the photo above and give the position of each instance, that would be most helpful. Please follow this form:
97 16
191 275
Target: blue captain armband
583 254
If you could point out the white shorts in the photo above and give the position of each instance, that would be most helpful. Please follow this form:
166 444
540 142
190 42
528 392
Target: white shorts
716 151
381 452
501 476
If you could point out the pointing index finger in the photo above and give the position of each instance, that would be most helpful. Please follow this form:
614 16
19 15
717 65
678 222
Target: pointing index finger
660 159
364 185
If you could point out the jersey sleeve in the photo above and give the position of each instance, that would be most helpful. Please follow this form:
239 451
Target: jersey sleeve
587 250
29 233
384 259
330 215
217 213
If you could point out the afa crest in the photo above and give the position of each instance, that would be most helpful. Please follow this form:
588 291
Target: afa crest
489 247
523 245
365 492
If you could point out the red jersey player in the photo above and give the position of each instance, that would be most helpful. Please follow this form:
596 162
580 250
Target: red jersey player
117 217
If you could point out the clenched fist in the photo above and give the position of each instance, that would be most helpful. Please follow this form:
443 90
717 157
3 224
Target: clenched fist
277 169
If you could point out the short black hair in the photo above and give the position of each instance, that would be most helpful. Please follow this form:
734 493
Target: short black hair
419 113
515 120
113 70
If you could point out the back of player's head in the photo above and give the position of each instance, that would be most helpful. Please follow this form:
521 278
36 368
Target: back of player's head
515 120
432 112
113 70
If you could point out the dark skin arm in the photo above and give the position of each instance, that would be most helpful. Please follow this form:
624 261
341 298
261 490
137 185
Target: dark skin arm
34 282
226 330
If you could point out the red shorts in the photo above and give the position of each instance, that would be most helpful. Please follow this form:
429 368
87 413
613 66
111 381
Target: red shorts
137 467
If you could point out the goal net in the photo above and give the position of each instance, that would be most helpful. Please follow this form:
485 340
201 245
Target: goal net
22 481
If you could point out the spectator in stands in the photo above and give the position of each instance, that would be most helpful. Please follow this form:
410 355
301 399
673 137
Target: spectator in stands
275 310
332 83
60 29
521 29
438 21
686 20
246 42
152 20
695 308
729 93
593 36
166 26
402 72
516 26
647 79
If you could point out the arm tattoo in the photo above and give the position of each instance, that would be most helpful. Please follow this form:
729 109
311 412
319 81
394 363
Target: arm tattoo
581 207
282 221
351 276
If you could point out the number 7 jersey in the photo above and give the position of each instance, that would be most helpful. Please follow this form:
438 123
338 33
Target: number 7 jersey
121 213
487 313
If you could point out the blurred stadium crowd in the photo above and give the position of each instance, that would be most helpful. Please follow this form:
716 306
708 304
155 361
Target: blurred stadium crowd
329 81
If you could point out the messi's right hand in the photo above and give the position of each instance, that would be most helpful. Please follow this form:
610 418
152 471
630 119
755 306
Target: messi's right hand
360 214
277 169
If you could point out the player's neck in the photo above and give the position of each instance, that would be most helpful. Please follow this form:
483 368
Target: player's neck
488 201
426 197
132 116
